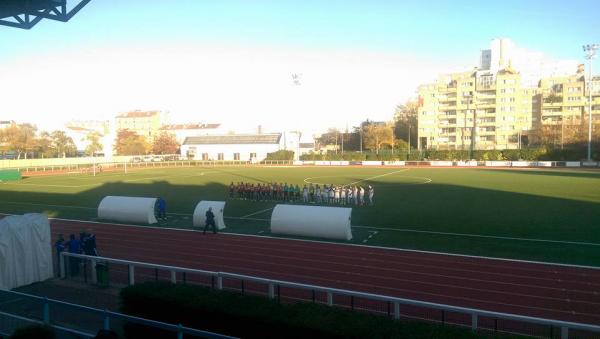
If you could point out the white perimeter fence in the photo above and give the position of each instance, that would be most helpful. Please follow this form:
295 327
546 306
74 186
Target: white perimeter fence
124 272
96 165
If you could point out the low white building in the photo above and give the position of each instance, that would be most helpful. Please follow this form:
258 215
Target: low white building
246 147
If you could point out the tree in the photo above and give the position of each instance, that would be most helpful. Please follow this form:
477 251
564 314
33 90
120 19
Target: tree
280 155
165 143
94 145
376 135
405 122
19 138
330 137
62 144
44 145
130 143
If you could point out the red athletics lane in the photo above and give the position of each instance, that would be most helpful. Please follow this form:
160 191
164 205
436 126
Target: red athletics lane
540 290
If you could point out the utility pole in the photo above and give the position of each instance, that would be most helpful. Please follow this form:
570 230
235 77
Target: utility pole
360 133
590 53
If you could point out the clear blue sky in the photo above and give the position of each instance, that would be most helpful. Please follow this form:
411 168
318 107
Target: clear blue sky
447 29
209 60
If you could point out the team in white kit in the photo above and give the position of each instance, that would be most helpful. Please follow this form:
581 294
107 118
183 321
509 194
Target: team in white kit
338 195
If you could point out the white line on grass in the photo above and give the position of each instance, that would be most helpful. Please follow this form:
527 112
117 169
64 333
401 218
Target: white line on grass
378 176
257 212
242 218
46 205
372 233
478 235
307 180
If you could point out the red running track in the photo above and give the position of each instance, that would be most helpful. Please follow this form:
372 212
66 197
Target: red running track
532 289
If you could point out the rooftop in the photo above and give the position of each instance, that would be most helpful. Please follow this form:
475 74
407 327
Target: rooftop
234 139
190 126
138 114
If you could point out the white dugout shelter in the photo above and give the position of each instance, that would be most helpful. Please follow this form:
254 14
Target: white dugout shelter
217 209
128 209
25 250
312 221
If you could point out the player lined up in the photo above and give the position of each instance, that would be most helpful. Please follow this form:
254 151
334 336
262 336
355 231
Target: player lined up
338 195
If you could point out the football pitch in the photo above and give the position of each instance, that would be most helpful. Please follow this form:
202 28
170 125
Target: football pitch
530 214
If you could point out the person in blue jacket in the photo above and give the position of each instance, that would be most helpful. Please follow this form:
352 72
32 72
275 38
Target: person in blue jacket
162 208
74 246
59 246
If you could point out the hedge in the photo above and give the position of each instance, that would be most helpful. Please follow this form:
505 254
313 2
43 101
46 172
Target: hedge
528 154
258 317
34 332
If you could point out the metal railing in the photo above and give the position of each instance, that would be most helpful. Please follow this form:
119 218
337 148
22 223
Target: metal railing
476 319
106 317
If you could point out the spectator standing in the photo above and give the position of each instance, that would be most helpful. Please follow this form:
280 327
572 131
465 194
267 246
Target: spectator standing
59 246
74 246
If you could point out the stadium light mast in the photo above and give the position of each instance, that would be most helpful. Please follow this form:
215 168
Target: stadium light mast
590 53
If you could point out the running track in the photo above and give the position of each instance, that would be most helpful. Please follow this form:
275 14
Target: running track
540 290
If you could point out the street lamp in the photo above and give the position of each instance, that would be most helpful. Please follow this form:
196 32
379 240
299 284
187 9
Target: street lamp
590 52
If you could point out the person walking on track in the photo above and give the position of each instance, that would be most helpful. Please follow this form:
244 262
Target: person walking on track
210 220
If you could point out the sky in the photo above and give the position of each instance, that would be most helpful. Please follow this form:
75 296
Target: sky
232 62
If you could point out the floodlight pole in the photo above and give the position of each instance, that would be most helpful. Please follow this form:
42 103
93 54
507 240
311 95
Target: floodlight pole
590 53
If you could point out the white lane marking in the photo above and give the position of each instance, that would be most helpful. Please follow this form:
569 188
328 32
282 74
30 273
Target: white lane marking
257 212
478 235
339 243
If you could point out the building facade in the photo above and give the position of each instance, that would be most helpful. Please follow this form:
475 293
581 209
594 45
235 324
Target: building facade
245 147
475 110
144 123
496 106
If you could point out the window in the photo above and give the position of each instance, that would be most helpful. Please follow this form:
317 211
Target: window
220 156
252 155
236 156
205 156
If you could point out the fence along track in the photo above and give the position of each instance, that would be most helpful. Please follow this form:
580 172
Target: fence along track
476 319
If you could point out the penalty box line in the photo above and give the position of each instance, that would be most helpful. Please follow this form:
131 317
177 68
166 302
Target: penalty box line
478 236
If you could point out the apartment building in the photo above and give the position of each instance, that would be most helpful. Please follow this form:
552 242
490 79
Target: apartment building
144 123
476 110
498 106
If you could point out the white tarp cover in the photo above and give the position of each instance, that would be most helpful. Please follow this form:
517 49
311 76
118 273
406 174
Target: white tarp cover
217 208
128 209
312 221
25 250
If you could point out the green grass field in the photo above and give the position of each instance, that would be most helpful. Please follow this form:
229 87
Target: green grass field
534 214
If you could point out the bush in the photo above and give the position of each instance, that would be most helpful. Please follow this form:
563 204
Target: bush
34 332
280 155
257 317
